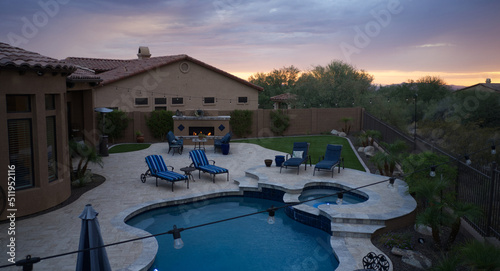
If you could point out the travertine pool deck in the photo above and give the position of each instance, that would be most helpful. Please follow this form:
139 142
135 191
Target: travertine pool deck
123 194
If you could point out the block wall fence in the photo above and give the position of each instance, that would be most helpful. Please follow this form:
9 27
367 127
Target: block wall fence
302 122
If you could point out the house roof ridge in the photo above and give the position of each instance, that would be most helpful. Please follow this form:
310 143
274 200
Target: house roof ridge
112 70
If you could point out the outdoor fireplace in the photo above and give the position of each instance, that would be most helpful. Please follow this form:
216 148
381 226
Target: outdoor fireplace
195 130
212 126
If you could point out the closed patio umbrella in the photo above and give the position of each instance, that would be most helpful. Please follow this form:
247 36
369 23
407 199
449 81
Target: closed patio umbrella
90 236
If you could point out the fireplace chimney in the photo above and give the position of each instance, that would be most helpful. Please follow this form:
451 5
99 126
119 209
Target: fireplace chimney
143 52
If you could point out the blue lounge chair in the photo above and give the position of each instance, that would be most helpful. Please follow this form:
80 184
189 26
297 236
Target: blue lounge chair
174 143
300 154
201 163
331 159
224 140
158 169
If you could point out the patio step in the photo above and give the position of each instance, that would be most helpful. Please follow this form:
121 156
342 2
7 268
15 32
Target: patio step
354 230
341 220
247 182
251 175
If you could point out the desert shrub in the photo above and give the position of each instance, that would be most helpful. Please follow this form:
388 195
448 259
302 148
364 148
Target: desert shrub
279 122
115 123
160 122
241 122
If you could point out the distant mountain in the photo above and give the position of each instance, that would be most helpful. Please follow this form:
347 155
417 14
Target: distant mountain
456 87
453 87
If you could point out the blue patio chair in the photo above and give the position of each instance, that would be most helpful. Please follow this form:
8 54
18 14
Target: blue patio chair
224 140
201 163
174 143
300 154
331 159
157 168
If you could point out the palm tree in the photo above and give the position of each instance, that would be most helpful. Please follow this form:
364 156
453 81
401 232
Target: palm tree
386 161
372 135
347 125
460 209
439 207
88 154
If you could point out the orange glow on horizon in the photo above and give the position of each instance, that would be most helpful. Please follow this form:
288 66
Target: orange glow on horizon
388 77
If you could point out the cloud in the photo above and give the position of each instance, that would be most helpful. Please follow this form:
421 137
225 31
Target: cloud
435 45
262 35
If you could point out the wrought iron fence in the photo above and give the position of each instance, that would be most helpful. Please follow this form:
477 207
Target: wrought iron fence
480 185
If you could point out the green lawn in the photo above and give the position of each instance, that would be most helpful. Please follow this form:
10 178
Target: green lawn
128 147
317 147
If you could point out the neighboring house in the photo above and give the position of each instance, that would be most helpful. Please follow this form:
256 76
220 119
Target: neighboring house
33 129
173 83
487 87
283 101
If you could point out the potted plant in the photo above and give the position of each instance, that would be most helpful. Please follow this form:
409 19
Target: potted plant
139 137
201 135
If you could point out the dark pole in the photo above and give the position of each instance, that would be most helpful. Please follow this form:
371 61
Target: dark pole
415 128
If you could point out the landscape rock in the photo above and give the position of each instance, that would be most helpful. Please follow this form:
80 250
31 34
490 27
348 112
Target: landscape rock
369 151
425 230
334 132
361 149
342 134
413 258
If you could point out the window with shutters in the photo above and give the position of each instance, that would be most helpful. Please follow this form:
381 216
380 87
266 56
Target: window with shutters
52 148
21 151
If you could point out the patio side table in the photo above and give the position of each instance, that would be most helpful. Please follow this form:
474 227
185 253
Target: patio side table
198 142
187 171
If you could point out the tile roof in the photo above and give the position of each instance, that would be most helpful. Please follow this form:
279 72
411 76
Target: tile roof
84 75
14 57
99 65
493 86
283 97
112 70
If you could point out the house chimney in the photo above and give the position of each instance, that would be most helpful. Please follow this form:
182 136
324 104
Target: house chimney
488 80
143 52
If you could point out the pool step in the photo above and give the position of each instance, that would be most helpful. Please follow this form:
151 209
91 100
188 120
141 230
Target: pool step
247 182
354 230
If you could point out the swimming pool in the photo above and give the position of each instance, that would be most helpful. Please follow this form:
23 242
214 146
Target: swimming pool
311 193
248 243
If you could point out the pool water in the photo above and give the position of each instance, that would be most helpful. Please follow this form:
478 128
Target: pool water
248 243
312 194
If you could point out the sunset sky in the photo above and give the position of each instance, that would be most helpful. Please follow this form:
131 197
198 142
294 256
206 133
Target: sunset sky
457 40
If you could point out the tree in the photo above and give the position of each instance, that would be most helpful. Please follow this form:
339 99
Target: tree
337 84
115 124
88 154
241 122
278 81
386 161
279 121
160 122
438 206
481 109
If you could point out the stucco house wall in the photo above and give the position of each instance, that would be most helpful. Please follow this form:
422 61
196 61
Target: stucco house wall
183 79
43 193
